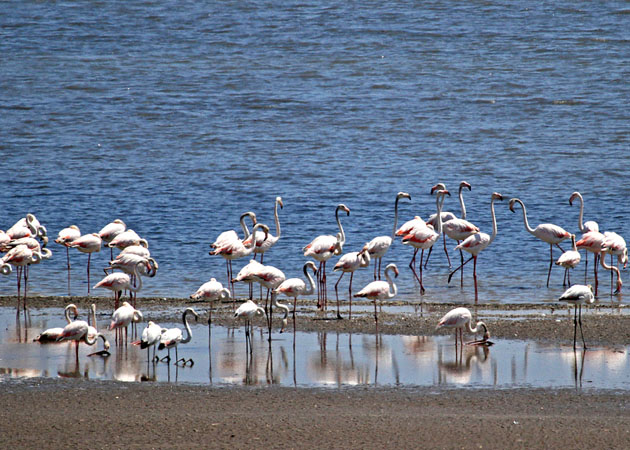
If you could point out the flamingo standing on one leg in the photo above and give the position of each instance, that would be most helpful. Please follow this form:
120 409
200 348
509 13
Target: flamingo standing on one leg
172 337
270 277
135 266
577 295
20 257
380 290
246 275
77 331
546 232
322 248
65 237
294 287
477 242
126 239
593 241
88 243
211 291
460 319
425 237
569 260
378 246
110 231
585 227
247 311
349 263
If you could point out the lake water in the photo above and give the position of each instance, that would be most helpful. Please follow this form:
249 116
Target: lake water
179 116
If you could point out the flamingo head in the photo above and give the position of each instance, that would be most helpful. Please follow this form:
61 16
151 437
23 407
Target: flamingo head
311 265
403 195
343 207
249 214
512 202
279 202
465 184
497 196
573 197
438 187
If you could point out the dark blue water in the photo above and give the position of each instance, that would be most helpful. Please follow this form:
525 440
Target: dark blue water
179 116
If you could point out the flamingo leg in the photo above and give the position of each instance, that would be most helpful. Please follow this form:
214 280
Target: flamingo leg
375 313
448 258
19 284
380 261
68 261
350 296
337 293
611 276
421 285
324 285
428 256
581 332
550 263
475 278
450 275
294 308
412 264
375 267
88 272
461 258
595 271
26 287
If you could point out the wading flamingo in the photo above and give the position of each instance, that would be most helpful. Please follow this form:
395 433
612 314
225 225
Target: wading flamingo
577 295
569 260
270 277
349 263
246 275
231 235
424 238
262 244
477 242
52 334
247 311
615 245
460 319
65 237
151 336
172 337
118 281
123 316
88 243
211 291
294 287
380 290
585 227
322 248
593 241
21 257
546 232
77 331
378 246
611 268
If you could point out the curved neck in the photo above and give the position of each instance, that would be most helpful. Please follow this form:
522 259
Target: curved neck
581 217
494 221
275 213
527 227
251 244
393 289
187 327
461 201
274 301
311 282
224 294
90 340
138 277
67 312
476 329
395 217
342 238
244 226
439 201
364 259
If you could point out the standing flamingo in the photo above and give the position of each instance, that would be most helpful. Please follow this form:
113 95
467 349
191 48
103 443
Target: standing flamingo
262 244
593 241
88 243
151 336
477 242
123 316
569 260
577 295
380 290
119 282
231 235
77 331
211 291
322 248
614 244
270 277
460 318
235 250
127 238
425 237
128 263
110 231
172 337
65 237
546 232
52 334
294 287
27 226
247 311
585 227
21 256
246 275
378 246
349 263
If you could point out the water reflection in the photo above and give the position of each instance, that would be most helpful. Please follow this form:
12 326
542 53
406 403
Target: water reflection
322 359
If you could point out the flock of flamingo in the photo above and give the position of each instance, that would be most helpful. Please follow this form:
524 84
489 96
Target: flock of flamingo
24 244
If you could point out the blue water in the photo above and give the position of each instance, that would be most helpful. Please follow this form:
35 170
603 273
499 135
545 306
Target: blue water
179 116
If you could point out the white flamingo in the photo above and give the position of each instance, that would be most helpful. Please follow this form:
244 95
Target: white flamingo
77 331
110 231
65 237
246 275
247 311
585 227
127 238
21 257
88 243
546 232
569 260
378 246
262 244
123 316
172 337
118 281
593 241
211 291
269 277
231 235
322 248
381 290
295 287
477 242
151 336
349 263
52 334
577 295
460 319
614 245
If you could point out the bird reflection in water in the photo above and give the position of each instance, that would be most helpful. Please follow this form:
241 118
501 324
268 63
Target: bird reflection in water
460 370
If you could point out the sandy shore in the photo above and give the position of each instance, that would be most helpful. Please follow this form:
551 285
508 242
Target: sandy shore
56 412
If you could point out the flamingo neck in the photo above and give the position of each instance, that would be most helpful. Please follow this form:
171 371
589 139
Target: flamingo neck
311 282
342 237
581 217
224 294
476 329
67 312
365 258
251 245
138 277
187 328
525 221
393 288
461 201
274 301
439 201
494 221
244 226
275 213
91 341
395 218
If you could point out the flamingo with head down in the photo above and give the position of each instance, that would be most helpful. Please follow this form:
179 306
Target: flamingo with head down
294 287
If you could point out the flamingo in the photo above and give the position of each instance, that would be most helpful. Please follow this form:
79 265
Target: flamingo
270 277
593 241
410 225
105 351
569 260
245 275
172 337
477 242
460 319
285 308
77 331
577 295
136 250
20 257
4 238
52 334
585 227
247 311
349 263
118 282
602 257
88 243
546 232
27 226
211 291
237 249
110 231
128 262
231 235
262 244
65 237
127 238
151 336
615 245
377 247
294 287
123 316
381 290
425 237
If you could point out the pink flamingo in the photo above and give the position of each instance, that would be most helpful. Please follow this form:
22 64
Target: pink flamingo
546 232
578 294
378 246
262 244
118 281
477 242
460 319
425 237
294 287
65 237
231 235
127 238
322 248
615 245
21 256
88 243
585 227
27 226
569 260
237 249
77 331
270 277
211 291
110 231
246 275
172 337
410 225
349 263
248 311
52 334
592 241
380 290
123 316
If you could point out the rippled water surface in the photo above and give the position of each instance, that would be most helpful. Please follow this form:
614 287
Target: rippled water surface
179 116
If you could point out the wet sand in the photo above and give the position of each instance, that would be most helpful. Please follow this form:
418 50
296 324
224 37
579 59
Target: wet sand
56 412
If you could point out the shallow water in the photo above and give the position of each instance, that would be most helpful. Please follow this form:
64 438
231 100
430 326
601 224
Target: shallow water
319 360
179 116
